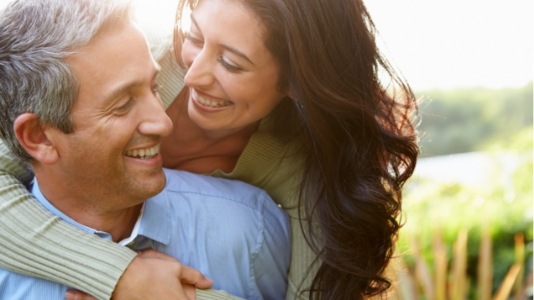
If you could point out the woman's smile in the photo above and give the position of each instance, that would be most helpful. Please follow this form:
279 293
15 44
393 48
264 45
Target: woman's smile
209 102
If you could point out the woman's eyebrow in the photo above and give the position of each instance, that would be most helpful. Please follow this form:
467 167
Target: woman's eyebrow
229 48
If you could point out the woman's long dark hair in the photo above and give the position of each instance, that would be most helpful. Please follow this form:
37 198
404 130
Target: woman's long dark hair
358 134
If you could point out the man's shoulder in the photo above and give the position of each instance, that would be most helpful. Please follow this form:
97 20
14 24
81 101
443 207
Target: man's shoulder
204 186
236 207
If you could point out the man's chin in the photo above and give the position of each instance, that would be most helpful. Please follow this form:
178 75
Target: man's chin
156 184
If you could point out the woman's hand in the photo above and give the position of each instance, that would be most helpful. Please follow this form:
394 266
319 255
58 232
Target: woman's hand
154 275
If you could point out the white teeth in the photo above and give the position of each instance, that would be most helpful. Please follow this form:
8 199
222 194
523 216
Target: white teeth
210 103
143 153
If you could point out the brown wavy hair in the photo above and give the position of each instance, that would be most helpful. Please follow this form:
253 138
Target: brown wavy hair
358 137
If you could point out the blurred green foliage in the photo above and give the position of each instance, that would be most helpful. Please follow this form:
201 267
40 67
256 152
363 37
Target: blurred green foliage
493 122
465 120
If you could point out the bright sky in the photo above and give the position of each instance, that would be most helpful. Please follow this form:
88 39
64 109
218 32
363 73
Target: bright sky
458 43
441 43
446 43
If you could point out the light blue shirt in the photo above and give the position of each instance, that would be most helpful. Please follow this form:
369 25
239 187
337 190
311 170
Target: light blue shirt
231 231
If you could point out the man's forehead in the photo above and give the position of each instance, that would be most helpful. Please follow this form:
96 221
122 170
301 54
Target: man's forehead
115 60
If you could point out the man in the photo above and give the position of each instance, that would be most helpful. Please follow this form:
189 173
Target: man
78 101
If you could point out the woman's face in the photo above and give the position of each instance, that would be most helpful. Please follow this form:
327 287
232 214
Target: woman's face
232 76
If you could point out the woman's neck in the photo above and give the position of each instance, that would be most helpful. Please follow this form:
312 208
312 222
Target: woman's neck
194 149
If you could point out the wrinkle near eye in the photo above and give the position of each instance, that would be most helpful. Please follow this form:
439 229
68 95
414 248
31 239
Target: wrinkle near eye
122 109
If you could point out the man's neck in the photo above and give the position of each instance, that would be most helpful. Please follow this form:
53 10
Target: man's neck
119 223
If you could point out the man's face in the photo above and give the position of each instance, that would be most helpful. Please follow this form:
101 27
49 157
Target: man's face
118 119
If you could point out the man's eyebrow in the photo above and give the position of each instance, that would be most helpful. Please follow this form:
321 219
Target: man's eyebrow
229 48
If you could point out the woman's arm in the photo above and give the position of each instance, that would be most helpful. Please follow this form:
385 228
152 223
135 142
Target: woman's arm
36 243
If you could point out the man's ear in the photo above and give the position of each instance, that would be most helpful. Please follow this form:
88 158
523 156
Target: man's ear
32 136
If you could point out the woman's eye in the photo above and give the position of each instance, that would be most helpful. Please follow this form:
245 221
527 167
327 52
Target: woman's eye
190 37
230 67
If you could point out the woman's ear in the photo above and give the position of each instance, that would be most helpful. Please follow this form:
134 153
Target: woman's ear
32 136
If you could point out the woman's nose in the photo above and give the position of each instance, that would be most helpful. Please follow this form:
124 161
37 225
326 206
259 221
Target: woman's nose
200 71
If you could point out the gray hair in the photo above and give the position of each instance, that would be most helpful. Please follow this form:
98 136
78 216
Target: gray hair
36 38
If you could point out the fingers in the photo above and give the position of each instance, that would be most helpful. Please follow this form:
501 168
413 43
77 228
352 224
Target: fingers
194 277
78 295
186 274
153 275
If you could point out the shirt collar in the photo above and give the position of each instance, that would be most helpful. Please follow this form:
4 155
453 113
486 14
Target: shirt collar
157 220
154 221
36 191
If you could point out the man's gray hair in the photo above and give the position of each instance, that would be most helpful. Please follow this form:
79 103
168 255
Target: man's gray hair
36 37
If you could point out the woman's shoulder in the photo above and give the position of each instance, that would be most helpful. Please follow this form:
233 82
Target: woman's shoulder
270 163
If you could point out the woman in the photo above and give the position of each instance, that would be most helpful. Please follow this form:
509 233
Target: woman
285 95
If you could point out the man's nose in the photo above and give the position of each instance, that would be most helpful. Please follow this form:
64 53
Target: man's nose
155 119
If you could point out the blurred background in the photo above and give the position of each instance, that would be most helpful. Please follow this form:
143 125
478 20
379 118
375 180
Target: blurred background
468 210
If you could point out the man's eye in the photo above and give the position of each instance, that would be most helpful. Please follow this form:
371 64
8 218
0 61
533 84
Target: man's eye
124 107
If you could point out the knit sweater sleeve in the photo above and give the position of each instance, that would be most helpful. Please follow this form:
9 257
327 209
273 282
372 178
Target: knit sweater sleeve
36 243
